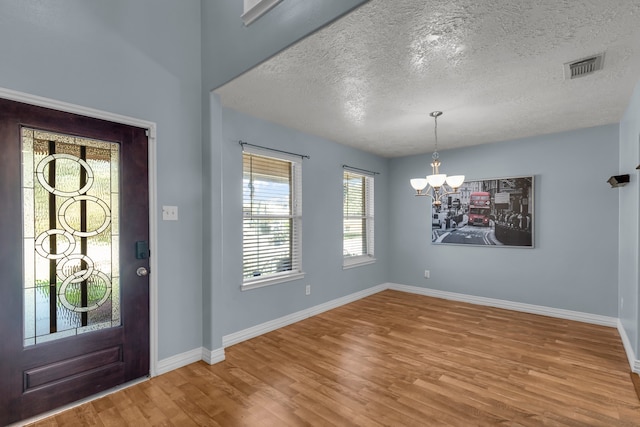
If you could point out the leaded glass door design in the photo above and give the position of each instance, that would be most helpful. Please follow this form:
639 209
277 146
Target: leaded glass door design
70 204
74 314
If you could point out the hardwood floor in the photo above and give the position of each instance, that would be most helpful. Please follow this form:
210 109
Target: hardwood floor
393 359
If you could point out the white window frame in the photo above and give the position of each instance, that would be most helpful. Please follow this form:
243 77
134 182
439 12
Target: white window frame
369 217
296 215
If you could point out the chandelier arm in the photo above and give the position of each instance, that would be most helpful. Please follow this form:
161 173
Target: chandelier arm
425 191
450 191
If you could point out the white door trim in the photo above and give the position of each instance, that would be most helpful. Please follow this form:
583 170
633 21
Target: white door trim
153 218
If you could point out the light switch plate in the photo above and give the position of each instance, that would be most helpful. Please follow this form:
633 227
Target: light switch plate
169 213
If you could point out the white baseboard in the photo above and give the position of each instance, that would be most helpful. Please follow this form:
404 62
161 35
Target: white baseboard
578 316
217 355
188 357
634 363
263 328
179 360
213 356
509 305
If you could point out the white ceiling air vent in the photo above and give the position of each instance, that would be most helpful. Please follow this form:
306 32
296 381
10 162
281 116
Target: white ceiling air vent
583 67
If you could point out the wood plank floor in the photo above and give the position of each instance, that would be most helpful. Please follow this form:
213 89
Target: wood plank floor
393 359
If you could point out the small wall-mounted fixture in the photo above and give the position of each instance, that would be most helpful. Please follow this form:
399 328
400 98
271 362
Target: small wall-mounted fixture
618 180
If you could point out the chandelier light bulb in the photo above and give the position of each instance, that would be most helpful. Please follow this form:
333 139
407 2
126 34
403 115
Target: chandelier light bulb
436 181
455 181
418 184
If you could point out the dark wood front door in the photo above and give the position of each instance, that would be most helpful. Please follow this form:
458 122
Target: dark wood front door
74 309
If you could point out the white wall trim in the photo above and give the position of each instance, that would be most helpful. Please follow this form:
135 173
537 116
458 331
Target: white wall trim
77 109
213 356
153 220
634 363
509 305
153 248
263 328
254 9
179 360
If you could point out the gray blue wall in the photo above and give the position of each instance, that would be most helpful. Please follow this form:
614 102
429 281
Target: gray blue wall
574 264
229 49
629 220
321 223
141 59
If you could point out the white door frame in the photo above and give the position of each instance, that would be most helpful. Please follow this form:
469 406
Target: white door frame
153 218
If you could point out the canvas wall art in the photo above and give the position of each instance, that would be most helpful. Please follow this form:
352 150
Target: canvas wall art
487 212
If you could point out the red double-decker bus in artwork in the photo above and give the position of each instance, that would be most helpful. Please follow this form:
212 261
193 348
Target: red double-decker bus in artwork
479 208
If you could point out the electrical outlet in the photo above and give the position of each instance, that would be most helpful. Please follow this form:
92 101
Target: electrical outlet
307 290
169 213
427 274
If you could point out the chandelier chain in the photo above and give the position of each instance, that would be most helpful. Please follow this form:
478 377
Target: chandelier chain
435 156
435 131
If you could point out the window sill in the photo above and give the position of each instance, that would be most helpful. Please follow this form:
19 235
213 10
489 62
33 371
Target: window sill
348 263
261 283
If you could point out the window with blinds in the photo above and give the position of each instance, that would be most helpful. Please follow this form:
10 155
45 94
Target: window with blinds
358 219
272 219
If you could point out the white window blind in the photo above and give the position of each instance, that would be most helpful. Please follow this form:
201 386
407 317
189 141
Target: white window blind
358 218
272 218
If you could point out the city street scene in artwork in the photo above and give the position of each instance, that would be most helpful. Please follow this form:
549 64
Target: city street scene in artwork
490 212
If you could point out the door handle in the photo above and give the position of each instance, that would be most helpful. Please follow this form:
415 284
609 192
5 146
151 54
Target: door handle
141 271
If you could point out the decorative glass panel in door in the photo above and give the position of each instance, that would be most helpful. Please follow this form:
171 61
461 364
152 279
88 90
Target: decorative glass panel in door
71 269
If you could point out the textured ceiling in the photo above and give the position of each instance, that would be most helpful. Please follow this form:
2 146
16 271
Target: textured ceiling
495 67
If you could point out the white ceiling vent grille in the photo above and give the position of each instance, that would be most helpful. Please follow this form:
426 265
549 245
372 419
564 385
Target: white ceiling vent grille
583 67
